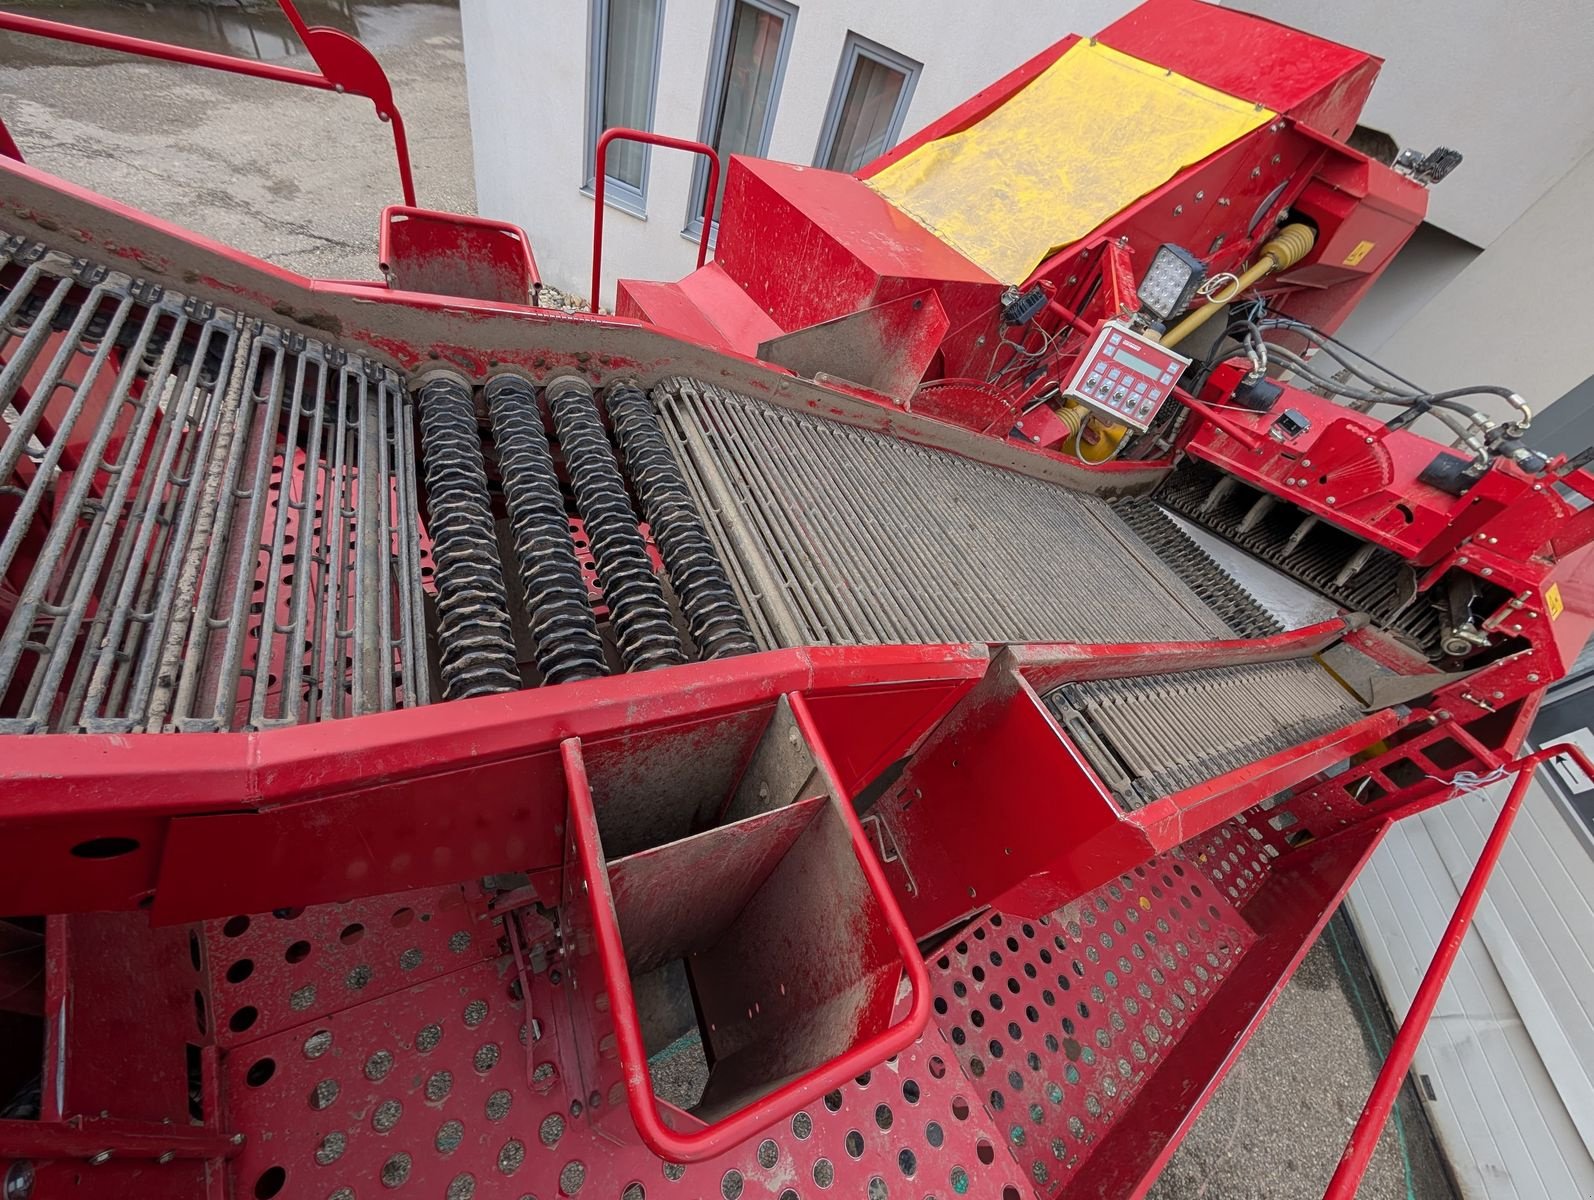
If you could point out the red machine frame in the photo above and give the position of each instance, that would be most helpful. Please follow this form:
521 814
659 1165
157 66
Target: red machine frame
206 831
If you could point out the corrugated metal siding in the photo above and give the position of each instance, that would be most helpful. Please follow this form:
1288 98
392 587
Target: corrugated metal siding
1510 1050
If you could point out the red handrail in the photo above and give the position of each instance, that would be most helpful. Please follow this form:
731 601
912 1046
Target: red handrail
651 139
346 66
1364 1138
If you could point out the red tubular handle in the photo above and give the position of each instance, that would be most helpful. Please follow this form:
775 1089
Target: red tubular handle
715 1139
1364 1138
619 134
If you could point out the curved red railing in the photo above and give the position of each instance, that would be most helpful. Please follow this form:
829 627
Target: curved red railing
1364 1138
619 134
345 66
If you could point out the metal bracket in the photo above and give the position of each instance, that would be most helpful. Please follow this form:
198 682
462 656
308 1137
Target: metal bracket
1431 168
146 292
21 251
883 834
88 272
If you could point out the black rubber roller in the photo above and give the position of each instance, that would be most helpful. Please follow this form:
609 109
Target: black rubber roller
712 611
474 634
562 624
637 610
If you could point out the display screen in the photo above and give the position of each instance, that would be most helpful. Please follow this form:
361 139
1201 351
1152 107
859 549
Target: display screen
1138 364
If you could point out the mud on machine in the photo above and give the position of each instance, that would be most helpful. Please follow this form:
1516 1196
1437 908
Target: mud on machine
778 739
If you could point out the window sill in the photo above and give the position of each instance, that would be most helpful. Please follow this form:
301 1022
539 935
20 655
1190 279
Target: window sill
694 234
623 203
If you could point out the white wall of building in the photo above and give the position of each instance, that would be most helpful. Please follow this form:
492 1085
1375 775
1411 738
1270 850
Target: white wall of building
1516 314
1508 86
528 95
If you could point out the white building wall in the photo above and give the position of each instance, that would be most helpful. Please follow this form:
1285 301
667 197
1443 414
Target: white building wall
1516 314
528 95
1508 86
1509 1054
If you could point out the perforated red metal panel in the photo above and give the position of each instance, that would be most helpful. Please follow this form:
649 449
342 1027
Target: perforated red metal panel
451 1089
277 970
1058 1022
434 1079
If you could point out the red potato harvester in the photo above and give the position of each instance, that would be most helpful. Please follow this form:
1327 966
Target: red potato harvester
784 738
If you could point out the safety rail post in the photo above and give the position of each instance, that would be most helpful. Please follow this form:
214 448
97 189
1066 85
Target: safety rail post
621 134
1364 1138
344 65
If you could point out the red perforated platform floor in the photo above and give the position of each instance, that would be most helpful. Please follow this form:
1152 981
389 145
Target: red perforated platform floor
383 1048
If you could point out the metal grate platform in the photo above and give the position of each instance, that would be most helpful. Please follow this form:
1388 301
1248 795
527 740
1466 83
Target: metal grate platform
837 535
1153 735
209 520
1059 1022
451 1085
1216 587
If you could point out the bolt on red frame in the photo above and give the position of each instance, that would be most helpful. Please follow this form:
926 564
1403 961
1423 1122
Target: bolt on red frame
346 66
1364 1138
652 139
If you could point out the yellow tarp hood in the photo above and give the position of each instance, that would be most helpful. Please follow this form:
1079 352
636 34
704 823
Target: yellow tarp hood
1085 139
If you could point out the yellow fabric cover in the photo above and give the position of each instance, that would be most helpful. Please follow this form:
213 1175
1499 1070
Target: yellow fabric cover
1086 138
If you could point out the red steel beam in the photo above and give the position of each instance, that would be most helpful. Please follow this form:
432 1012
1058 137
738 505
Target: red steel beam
1364 1138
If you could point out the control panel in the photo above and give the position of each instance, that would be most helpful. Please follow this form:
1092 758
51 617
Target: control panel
1124 377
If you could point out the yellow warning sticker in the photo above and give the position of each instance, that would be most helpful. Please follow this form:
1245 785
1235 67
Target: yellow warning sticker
1552 600
1361 251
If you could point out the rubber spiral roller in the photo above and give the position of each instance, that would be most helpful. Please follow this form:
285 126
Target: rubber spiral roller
474 635
562 622
637 610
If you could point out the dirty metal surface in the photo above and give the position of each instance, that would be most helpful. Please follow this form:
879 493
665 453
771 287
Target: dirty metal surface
836 535
886 348
1045 1032
276 970
1153 735
183 490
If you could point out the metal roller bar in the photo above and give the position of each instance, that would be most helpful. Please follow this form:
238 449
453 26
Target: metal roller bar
712 611
1153 735
839 535
561 617
757 594
125 631
171 509
637 610
474 634
1216 587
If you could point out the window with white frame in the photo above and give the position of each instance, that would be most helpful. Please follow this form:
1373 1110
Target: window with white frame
748 60
867 105
622 81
